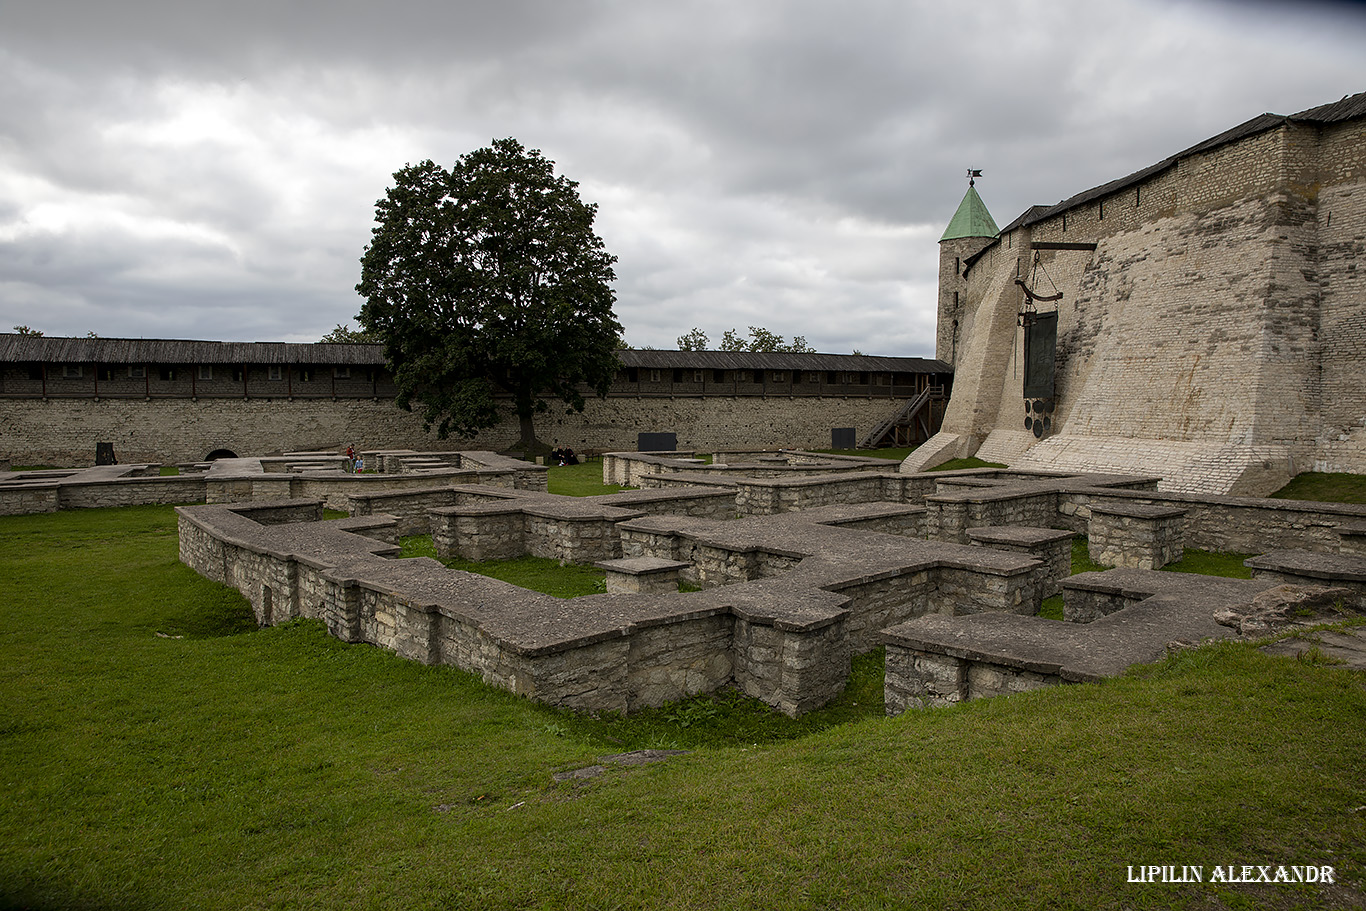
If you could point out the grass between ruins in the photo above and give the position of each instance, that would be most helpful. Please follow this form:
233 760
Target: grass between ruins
1325 486
536 573
581 480
1203 562
160 752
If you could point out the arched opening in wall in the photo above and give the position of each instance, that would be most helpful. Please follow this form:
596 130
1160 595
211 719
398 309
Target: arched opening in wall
220 454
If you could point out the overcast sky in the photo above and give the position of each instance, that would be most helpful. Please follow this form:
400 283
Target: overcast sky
190 170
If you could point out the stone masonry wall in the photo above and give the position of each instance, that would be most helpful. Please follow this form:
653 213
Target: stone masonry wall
1216 332
610 653
64 431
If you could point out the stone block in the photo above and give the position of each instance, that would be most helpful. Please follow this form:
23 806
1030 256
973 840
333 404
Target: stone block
642 575
1135 536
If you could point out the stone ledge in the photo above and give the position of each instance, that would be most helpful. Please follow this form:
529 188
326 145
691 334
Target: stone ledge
1349 568
1007 643
642 574
1137 511
1017 535
1134 585
636 566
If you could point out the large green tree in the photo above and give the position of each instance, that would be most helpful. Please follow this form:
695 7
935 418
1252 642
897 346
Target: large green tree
489 277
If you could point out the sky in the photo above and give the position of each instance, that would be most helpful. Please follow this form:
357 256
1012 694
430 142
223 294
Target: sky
210 171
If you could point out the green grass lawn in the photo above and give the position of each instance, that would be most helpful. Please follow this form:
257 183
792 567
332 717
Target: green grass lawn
1203 562
538 574
1325 487
581 480
158 751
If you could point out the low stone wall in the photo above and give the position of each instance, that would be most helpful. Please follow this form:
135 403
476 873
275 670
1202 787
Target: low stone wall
485 531
296 476
1230 524
606 653
568 529
697 502
641 469
952 515
1352 537
525 476
916 679
1089 596
336 487
938 660
87 490
886 519
883 579
1142 537
281 512
1051 546
28 498
770 496
411 507
787 598
1298 567
804 663
627 468
773 492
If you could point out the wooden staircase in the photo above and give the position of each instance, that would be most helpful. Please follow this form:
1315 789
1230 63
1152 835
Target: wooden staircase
914 422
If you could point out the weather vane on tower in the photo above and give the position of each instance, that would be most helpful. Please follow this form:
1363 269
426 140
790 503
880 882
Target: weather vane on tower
973 174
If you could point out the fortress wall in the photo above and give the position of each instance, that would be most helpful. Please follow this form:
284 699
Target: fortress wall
64 431
1249 167
709 423
1064 268
1162 335
1216 330
1341 223
987 335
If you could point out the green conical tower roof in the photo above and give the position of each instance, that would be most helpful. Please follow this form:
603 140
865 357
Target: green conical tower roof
971 220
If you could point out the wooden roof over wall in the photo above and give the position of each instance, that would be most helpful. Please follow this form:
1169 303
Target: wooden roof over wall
45 349
777 360
1351 107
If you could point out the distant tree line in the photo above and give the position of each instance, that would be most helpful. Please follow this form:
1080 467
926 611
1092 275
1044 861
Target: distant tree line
759 339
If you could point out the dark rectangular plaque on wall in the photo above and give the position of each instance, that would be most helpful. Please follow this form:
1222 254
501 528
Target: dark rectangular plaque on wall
843 438
656 442
1040 345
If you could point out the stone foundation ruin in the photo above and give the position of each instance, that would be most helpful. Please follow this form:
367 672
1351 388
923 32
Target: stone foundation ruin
802 560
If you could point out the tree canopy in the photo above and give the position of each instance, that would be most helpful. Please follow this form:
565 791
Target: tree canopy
759 339
489 277
345 335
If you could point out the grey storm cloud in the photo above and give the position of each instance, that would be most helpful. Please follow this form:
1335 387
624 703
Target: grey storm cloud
186 169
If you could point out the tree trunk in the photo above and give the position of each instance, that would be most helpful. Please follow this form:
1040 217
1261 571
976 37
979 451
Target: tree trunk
528 437
527 442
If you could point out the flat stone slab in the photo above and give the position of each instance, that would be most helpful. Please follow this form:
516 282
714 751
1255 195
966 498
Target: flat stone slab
1017 535
1330 567
641 566
1137 511
1137 584
1170 608
1348 647
1074 652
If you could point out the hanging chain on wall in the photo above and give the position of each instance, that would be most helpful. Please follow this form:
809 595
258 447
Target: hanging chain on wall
1038 411
1027 309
